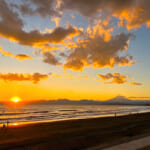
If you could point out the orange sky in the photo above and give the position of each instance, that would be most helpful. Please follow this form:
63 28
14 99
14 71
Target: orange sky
60 51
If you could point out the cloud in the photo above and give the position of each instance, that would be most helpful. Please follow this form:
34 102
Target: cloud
105 77
117 78
135 83
9 19
18 56
99 51
56 20
50 58
132 13
35 37
23 56
138 15
89 8
35 78
46 47
11 27
44 8
53 76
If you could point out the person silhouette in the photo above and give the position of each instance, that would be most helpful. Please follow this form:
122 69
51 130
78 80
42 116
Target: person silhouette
7 123
4 125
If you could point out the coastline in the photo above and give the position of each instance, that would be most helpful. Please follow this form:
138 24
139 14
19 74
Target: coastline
75 133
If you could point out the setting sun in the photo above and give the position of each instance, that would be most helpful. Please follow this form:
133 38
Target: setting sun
15 99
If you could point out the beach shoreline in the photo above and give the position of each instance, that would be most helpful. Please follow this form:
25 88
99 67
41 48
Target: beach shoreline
75 133
19 123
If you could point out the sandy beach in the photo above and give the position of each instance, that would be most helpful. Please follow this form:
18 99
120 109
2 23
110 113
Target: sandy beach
75 134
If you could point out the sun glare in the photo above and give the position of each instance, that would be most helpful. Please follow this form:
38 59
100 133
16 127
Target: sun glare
15 124
15 99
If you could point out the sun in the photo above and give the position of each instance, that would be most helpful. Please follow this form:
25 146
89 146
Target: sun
15 99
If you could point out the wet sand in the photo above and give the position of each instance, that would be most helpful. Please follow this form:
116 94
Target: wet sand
75 134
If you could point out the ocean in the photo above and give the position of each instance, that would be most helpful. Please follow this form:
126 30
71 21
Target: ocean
37 113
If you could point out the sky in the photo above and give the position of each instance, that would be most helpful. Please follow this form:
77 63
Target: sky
74 49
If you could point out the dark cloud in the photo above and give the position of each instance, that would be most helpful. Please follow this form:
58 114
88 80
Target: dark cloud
50 58
139 15
11 27
132 13
62 54
35 37
88 7
8 18
56 36
35 78
44 8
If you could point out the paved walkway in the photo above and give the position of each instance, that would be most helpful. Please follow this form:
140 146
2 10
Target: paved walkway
131 145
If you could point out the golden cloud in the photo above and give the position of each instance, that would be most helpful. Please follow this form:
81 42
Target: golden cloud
35 78
23 56
96 48
117 78
98 52
18 56
135 83
105 77
46 47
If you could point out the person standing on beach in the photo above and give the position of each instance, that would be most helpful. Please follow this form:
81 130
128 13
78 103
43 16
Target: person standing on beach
7 123
4 126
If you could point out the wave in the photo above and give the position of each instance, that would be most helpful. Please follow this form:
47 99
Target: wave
68 110
23 118
9 114
40 112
